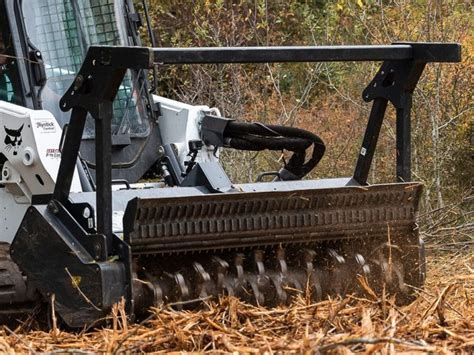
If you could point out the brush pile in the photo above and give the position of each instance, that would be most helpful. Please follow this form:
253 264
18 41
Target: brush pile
440 320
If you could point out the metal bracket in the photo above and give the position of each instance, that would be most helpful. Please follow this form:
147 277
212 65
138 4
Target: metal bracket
94 244
394 82
211 175
212 130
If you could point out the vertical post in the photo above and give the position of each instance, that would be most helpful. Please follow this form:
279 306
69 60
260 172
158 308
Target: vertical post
404 140
103 156
69 154
366 153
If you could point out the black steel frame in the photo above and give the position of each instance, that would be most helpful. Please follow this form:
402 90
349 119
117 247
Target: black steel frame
96 85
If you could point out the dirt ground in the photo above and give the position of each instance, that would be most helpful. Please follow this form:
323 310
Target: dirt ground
439 321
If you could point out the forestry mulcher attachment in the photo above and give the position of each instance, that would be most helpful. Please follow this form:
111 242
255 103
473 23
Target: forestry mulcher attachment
79 230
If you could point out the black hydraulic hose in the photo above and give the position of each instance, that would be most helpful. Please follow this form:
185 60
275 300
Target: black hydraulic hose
257 136
251 142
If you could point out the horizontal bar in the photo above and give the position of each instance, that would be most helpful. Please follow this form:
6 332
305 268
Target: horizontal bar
424 52
436 52
143 57
208 55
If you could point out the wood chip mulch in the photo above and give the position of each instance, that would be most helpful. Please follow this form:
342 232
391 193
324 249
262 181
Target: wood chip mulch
439 321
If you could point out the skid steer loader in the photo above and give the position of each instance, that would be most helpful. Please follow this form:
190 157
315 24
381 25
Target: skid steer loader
79 129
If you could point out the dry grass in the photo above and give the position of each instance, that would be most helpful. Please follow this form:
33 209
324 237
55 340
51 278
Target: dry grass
440 321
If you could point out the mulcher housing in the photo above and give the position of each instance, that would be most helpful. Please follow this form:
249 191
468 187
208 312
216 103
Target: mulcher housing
263 242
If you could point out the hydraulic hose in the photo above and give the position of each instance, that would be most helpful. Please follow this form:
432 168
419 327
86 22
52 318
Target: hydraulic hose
257 136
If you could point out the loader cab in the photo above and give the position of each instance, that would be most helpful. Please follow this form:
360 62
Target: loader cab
55 36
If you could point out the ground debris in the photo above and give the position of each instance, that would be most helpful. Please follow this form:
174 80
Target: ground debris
440 321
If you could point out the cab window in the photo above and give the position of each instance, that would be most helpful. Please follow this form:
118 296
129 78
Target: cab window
9 81
7 92
63 30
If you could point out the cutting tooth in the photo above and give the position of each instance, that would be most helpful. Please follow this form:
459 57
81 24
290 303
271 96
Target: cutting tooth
313 277
290 277
220 271
280 254
308 257
261 280
240 284
258 260
363 264
239 267
256 280
339 258
337 271
182 288
203 287
277 280
279 277
258 296
157 293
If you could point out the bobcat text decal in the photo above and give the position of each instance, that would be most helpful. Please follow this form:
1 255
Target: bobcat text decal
13 139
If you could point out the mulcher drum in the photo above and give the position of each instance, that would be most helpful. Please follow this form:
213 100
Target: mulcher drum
265 246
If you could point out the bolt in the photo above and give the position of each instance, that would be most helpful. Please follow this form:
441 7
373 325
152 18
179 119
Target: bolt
86 212
97 249
78 82
53 207
161 150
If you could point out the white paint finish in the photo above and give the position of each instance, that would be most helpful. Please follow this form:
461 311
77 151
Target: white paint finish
37 154
36 160
179 123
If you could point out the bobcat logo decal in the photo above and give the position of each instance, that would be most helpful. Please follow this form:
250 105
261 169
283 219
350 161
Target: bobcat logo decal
13 139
